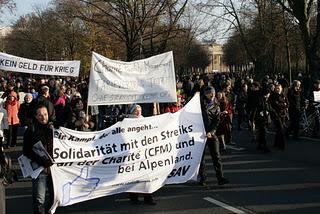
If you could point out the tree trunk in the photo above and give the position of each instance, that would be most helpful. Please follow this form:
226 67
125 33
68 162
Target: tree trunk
315 53
288 57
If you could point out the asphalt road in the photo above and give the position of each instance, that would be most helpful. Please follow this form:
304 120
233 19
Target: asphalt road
286 182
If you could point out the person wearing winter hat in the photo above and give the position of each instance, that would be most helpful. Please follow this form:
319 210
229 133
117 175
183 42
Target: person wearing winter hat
136 112
211 114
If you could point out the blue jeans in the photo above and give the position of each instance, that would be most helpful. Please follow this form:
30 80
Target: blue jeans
2 198
42 193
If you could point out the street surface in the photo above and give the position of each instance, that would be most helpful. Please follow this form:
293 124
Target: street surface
286 182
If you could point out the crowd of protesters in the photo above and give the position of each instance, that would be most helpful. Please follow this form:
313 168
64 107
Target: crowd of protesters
38 104
270 103
256 104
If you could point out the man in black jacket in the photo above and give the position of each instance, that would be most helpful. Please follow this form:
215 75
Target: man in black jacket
40 130
295 103
44 99
211 114
260 117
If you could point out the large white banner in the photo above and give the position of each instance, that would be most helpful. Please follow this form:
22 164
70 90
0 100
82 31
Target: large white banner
135 155
58 68
143 81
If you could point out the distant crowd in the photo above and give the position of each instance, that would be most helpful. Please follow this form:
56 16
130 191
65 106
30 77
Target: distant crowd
237 94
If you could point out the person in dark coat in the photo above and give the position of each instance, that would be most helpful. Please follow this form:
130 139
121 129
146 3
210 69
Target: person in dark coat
19 87
44 99
312 108
211 113
260 117
241 104
279 104
295 100
199 87
9 89
253 94
40 130
224 127
188 88
77 118
26 110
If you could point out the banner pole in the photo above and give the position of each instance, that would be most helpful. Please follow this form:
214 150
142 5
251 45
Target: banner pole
87 111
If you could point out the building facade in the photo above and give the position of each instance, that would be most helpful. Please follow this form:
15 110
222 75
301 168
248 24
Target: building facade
4 31
215 53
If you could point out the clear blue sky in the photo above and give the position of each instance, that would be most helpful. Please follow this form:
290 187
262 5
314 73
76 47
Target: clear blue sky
23 7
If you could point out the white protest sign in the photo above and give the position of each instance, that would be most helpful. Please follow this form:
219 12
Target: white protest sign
135 155
29 168
58 68
316 96
143 81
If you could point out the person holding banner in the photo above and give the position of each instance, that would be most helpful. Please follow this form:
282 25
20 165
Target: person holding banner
40 131
136 112
211 113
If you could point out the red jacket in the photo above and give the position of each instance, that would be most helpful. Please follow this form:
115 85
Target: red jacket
173 109
12 108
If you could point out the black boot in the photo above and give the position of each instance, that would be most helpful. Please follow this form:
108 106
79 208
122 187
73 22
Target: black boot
222 181
148 199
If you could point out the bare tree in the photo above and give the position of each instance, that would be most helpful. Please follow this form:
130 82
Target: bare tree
9 4
144 26
304 11
6 4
